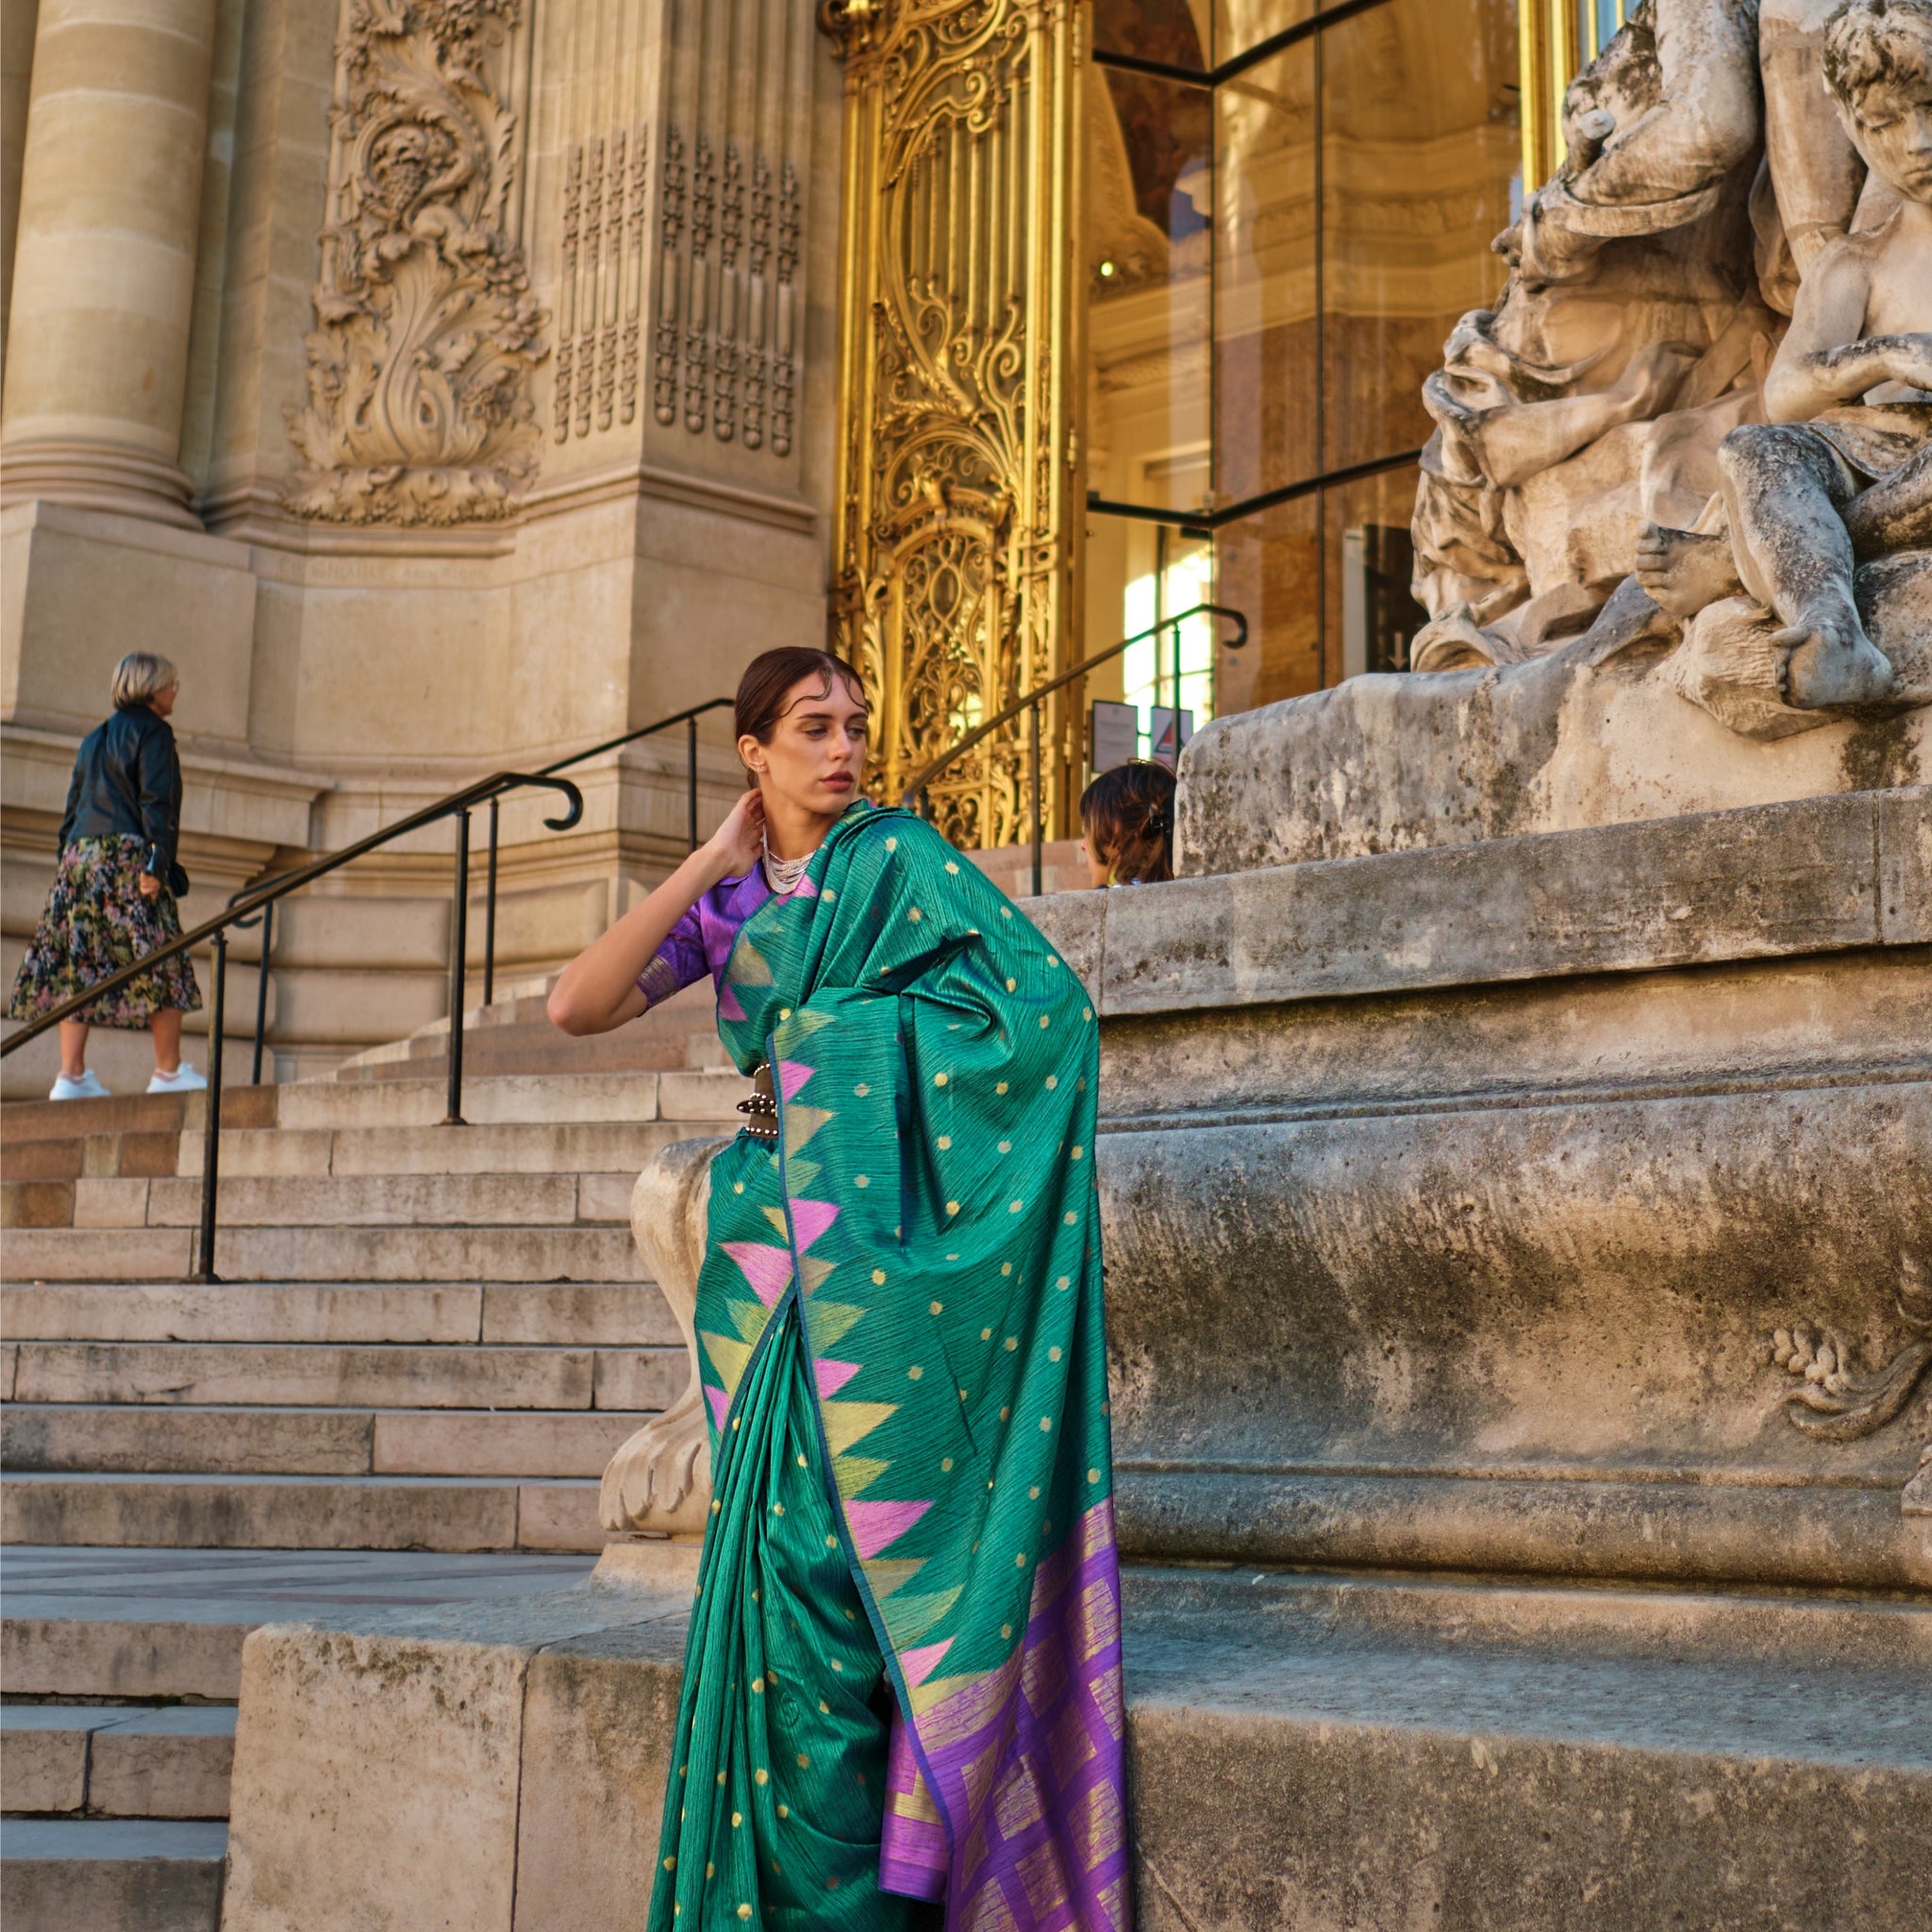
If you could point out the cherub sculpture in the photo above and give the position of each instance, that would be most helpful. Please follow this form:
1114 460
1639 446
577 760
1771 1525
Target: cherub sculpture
1840 477
1597 390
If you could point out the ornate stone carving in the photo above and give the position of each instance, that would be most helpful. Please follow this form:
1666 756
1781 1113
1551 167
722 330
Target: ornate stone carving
601 283
670 233
419 410
1836 1401
1638 404
958 504
660 1479
1808 587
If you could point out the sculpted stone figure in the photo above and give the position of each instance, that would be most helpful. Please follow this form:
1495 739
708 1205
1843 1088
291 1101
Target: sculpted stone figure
1827 507
660 1479
1623 350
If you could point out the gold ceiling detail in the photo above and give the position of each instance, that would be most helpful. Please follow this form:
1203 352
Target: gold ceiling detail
958 489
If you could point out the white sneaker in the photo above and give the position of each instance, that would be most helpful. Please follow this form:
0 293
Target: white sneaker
184 1079
87 1088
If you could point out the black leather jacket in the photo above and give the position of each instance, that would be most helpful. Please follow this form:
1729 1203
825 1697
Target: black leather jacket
127 780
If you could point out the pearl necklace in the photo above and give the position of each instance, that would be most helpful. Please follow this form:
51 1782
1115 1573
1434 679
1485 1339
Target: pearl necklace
783 874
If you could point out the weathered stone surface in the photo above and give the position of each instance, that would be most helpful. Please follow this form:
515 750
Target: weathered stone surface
163 1763
599 1717
1588 1758
320 1375
370 1200
260 1512
84 1875
376 1775
42 1766
1389 763
75 1437
559 1516
1540 1334
247 1312
328 1253
624 1313
520 1443
1780 879
61 1657
380 1770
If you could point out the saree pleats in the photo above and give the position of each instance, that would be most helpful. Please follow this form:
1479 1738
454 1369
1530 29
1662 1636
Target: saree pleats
773 1808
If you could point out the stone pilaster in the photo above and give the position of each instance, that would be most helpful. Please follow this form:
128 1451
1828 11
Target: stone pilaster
104 267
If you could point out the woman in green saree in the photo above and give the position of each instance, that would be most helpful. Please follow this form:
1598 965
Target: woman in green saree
902 1680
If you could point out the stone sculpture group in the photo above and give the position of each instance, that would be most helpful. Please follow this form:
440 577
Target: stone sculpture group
1699 418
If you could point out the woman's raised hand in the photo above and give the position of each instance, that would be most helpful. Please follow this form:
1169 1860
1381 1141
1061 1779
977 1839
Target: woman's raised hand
741 840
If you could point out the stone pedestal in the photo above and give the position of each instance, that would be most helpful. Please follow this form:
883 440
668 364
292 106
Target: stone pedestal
1519 1347
495 1766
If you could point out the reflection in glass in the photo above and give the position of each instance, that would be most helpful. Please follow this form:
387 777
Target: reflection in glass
1239 25
1273 266
1268 565
1137 573
1180 575
1420 150
1265 278
1371 615
1163 31
1150 251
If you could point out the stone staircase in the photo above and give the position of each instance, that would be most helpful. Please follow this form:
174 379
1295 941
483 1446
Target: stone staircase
122 1669
425 1344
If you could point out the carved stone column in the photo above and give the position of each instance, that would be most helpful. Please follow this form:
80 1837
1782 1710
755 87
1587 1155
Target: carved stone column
104 267
960 497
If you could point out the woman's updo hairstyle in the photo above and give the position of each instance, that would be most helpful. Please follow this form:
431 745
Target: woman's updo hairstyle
767 683
1128 814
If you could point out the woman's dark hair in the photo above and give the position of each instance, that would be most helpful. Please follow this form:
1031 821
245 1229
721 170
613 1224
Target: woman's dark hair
1128 814
771 675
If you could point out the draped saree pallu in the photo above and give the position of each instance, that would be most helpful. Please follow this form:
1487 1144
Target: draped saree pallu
903 1678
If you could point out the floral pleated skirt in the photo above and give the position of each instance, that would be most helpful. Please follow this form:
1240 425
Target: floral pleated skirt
97 922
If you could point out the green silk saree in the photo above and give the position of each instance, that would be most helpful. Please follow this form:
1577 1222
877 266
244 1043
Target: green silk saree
903 1675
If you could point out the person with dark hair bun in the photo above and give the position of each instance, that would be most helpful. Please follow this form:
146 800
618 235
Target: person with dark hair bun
1127 818
902 1679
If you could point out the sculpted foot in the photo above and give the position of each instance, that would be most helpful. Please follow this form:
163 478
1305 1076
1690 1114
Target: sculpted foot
1833 663
1683 572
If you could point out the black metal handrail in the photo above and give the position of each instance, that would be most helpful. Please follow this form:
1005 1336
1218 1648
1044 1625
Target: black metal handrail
915 794
262 899
688 719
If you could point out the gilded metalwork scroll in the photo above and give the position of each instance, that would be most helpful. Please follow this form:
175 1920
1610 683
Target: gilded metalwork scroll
958 497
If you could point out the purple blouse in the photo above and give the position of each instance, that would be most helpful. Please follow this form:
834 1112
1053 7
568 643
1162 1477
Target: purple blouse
701 941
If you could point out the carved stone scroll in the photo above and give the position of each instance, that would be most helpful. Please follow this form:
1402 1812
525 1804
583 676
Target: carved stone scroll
958 506
426 331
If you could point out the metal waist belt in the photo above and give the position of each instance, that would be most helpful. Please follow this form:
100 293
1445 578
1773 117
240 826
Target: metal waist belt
760 1106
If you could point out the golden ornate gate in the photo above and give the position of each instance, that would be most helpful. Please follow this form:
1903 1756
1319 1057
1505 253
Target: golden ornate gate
959 488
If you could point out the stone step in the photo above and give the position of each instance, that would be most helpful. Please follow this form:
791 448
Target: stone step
124 1624
112 1875
567 1313
328 1253
1308 1751
507 1100
535 1200
115 1761
82 1439
440 1514
507 1148
346 1375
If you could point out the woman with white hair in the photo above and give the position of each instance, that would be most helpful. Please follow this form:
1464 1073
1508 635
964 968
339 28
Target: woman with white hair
113 897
